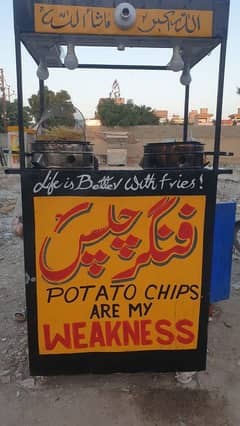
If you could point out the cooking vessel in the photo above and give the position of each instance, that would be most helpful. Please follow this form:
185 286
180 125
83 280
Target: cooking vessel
174 155
63 154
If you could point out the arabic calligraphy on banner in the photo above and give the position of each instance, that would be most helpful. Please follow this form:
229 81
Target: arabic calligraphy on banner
118 274
100 21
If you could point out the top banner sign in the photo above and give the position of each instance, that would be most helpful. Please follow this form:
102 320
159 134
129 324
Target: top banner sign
49 18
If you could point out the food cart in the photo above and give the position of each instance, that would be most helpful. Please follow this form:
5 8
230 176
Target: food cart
118 262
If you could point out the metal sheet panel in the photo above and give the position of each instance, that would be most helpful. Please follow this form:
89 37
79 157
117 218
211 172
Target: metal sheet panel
222 251
25 9
145 236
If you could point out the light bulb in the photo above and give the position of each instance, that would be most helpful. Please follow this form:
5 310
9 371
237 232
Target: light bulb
60 53
71 60
176 63
42 71
186 78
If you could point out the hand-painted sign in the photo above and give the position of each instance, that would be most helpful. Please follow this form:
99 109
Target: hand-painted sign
118 269
118 274
51 18
149 183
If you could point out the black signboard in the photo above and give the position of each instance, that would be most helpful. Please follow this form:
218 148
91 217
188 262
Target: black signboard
117 269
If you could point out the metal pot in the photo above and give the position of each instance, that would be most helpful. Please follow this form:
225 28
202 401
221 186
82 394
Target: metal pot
63 154
173 155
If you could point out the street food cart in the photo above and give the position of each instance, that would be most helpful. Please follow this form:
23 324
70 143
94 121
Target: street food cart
118 262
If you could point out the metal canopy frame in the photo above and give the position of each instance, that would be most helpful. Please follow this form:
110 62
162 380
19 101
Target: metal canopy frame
194 49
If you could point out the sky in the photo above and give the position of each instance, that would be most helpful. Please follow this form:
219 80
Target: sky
159 90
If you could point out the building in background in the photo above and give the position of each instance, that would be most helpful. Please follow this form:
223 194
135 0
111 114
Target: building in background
162 116
192 116
202 118
235 117
119 101
176 119
93 122
227 122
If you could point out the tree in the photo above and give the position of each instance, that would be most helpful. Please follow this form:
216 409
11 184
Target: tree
124 115
12 115
58 104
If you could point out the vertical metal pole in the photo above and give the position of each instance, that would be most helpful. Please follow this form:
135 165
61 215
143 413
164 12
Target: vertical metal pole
19 94
3 90
219 104
41 97
186 110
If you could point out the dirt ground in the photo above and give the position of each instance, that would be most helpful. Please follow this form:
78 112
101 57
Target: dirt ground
212 398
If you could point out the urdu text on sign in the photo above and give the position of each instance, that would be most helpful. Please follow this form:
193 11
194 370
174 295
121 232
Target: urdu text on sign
100 21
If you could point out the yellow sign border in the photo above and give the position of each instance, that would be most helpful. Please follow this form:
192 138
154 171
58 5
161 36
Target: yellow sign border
56 314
